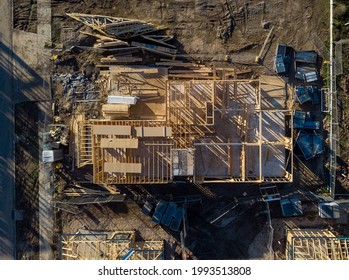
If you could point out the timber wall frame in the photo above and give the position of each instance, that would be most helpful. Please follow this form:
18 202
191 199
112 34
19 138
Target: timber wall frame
192 113
103 246
309 245
154 157
187 131
84 152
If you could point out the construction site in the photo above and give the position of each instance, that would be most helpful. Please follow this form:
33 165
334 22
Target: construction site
177 129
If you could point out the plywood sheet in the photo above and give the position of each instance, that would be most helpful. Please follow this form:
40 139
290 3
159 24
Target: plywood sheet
115 108
119 143
160 131
122 167
111 130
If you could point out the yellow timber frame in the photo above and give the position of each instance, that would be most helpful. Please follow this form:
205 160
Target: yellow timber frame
193 108
108 246
155 158
316 245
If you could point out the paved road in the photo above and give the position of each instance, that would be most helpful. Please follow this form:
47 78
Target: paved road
7 164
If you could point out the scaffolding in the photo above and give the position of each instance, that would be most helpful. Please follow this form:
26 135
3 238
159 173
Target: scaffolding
89 245
315 244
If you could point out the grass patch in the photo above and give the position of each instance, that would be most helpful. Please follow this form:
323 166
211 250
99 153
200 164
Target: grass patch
325 74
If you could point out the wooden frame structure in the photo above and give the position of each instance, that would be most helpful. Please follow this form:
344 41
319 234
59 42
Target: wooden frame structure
81 141
86 245
122 28
84 155
147 162
239 102
234 130
314 244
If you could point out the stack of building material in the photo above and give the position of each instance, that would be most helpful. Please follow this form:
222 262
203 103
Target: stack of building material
120 59
329 210
282 59
113 33
159 211
155 49
291 207
115 111
52 155
307 93
168 214
188 70
121 28
305 66
118 106
311 144
305 120
114 99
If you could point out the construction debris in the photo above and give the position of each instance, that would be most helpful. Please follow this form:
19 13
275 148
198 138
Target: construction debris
59 134
76 86
117 245
121 28
120 59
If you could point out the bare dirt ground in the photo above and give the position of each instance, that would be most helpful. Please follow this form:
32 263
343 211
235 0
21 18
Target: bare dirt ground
241 233
25 15
120 217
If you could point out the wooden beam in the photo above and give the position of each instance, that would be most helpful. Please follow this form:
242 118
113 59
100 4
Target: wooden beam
115 143
176 63
122 167
121 59
191 76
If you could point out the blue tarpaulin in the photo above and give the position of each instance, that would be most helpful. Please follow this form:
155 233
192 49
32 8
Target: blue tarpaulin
307 93
306 57
305 120
282 59
306 74
329 210
291 207
170 212
147 208
178 217
303 94
311 145
159 211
